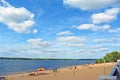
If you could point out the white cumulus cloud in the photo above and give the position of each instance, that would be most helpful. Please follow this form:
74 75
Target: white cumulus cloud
39 43
65 33
71 39
92 27
103 40
35 31
17 19
90 4
73 44
117 30
103 49
105 17
116 45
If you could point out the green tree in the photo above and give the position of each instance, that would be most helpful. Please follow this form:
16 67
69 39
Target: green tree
112 57
100 61
108 58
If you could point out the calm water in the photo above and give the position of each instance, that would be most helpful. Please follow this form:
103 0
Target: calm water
16 66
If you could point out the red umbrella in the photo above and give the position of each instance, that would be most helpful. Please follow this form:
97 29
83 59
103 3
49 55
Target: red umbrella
40 69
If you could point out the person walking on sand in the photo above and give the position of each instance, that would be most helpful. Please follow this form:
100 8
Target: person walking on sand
75 67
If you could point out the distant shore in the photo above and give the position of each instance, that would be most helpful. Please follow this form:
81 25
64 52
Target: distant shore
20 58
77 72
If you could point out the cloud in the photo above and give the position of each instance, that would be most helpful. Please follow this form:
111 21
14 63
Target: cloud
73 44
90 51
37 43
90 4
116 45
4 3
71 39
64 33
92 27
17 19
35 31
103 49
105 17
114 30
103 40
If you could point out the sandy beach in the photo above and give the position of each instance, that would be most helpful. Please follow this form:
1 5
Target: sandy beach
82 72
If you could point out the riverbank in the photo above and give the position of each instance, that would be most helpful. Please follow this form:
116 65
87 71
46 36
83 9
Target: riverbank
81 72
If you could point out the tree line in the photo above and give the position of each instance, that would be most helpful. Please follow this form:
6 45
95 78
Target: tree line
18 58
110 57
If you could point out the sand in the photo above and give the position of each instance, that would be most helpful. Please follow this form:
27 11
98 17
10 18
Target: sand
82 72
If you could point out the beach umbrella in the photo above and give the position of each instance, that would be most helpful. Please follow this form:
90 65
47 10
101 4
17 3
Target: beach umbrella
40 69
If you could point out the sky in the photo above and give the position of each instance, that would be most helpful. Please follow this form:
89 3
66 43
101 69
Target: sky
79 29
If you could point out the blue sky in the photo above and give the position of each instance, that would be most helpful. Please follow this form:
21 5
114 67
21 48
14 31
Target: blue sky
59 28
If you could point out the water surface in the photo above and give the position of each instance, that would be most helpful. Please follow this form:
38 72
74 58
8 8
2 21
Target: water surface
17 66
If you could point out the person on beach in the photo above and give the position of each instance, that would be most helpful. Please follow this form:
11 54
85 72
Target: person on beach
55 71
75 67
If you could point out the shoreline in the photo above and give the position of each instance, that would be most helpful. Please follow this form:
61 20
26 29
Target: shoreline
92 71
22 72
